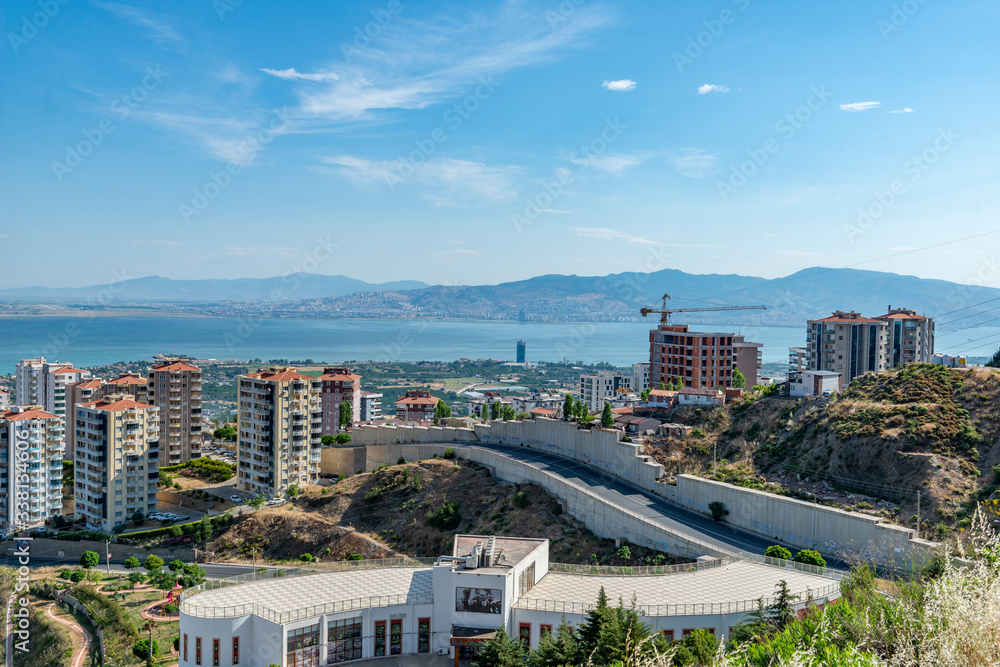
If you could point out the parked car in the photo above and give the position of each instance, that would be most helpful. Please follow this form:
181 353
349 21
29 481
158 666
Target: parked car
236 499
276 501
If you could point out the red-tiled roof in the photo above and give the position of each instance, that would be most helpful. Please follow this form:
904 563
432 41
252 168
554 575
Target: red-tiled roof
902 316
543 411
837 319
116 404
666 393
175 366
127 379
700 391
283 375
15 416
621 411
418 400
87 384
340 377
65 370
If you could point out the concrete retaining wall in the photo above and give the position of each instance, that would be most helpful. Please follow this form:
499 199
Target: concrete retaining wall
390 435
805 525
602 517
337 460
82 608
45 548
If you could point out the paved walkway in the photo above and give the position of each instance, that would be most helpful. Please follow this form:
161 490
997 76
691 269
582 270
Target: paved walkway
80 636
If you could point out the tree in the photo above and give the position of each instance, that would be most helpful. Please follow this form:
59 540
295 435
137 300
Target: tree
739 380
753 627
810 557
718 510
441 411
256 502
778 551
138 517
591 628
607 417
149 626
995 361
345 413
226 432
136 578
698 648
495 409
501 651
153 563
662 386
89 559
132 563
293 489
327 440
557 651
781 612
343 438
568 407
506 412
645 395
176 565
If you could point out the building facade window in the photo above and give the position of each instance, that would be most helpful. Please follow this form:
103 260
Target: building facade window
185 647
215 653
544 630
303 646
524 634
379 638
395 637
424 635
526 580
343 640
197 650
236 650
668 635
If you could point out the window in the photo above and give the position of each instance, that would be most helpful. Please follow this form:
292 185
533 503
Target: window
236 650
424 635
303 646
379 638
395 637
544 630
185 647
197 650
526 580
215 653
524 634
668 635
344 640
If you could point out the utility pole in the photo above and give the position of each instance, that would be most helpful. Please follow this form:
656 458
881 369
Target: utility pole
715 449
107 553
918 513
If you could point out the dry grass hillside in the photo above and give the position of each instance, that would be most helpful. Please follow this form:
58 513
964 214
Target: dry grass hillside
918 428
415 509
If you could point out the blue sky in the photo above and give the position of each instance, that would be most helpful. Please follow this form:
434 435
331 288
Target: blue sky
478 142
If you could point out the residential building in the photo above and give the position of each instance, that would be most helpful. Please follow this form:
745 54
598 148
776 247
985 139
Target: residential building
30 382
4 399
798 361
662 398
280 430
128 383
31 456
640 377
537 400
597 388
444 612
416 406
521 351
910 337
339 385
949 360
117 460
635 425
174 386
814 383
548 413
699 359
701 396
84 391
44 383
847 343
371 406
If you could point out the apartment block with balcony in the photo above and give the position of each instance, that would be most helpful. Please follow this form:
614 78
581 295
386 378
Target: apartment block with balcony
699 359
798 361
44 383
31 456
174 386
910 337
602 386
416 406
84 391
339 385
371 406
117 460
128 383
847 343
280 430
640 377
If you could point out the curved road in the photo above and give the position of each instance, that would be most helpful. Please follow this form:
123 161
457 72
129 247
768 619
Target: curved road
642 503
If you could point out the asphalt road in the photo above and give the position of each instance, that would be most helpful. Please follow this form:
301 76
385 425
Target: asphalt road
212 570
643 503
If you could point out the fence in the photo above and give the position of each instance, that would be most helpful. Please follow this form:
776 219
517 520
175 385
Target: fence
682 568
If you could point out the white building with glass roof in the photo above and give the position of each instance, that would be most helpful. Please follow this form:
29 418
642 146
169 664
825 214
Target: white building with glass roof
450 605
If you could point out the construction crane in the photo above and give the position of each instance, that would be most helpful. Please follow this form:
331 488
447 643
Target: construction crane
666 312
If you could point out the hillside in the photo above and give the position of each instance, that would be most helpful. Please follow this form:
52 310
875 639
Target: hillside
415 509
921 428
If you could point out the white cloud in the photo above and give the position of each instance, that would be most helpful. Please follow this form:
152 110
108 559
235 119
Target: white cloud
860 106
218 132
692 162
445 181
620 86
712 88
612 163
161 30
903 110
605 234
291 74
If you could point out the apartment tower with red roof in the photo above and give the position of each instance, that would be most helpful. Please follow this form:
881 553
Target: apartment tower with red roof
31 456
280 430
847 343
910 336
339 385
174 386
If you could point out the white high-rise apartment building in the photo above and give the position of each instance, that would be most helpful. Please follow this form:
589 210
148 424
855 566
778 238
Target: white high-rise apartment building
117 454
44 383
597 388
280 430
31 456
640 377
174 386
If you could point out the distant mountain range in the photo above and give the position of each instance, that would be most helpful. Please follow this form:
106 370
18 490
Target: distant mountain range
791 300
159 290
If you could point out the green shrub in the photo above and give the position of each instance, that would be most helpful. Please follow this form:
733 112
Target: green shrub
778 551
306 558
170 609
718 510
521 499
449 453
810 557
445 517
141 648
400 461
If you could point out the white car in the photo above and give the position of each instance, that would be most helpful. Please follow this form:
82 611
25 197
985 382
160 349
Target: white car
276 501
236 499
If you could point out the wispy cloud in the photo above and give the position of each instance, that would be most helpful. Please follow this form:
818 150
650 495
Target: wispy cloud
291 74
712 88
606 234
445 181
160 30
215 130
903 110
692 162
621 85
612 163
458 251
860 106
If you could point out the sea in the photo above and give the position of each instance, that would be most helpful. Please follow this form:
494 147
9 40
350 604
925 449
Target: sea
102 339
